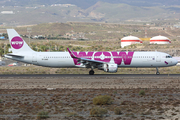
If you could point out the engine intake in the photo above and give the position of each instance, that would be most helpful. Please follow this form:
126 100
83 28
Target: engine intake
112 68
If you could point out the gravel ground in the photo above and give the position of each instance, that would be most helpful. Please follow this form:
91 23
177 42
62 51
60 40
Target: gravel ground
60 97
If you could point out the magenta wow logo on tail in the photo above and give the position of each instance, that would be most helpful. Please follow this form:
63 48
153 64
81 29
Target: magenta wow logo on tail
17 42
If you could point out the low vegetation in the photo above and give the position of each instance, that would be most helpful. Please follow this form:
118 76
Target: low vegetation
141 92
117 111
98 112
4 48
102 100
42 115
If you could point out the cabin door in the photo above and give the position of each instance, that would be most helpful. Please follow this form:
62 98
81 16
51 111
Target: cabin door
158 57
34 58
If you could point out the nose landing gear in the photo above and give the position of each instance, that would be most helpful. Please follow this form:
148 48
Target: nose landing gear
157 71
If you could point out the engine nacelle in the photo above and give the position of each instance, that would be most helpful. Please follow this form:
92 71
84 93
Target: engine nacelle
110 68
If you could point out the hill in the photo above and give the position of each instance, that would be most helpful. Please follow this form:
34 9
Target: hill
47 29
99 12
96 31
84 4
119 12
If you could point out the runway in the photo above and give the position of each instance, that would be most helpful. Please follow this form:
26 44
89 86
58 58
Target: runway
81 81
85 75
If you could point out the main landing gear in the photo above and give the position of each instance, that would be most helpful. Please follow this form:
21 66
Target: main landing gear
91 72
157 71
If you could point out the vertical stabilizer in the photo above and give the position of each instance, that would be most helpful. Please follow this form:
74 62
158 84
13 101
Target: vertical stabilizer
17 43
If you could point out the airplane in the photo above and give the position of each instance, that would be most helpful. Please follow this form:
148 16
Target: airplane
103 60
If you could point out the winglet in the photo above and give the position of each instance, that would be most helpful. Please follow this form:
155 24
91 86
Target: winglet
71 53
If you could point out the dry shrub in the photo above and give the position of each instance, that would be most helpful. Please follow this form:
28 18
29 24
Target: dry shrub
102 100
98 112
117 111
141 92
42 115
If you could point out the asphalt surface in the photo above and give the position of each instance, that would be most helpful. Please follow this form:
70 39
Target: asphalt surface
86 75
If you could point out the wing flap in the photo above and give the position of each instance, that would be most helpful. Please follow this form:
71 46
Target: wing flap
88 60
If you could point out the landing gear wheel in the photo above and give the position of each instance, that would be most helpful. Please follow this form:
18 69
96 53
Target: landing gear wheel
157 73
91 72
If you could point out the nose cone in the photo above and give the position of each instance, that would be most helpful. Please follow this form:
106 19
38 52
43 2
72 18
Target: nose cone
174 61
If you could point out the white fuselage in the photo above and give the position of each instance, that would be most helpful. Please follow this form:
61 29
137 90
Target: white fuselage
64 60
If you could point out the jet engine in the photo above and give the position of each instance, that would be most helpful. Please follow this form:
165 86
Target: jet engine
112 68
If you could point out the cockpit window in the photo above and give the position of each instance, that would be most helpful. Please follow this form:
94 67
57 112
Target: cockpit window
168 56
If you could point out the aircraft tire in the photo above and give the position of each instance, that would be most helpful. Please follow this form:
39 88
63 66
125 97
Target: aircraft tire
91 72
157 73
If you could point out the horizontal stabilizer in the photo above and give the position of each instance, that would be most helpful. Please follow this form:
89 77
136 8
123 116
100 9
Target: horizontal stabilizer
15 55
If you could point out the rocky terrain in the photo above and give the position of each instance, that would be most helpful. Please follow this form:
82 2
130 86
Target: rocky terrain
73 98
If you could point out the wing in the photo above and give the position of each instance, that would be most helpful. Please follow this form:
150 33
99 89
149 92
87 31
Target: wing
84 60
